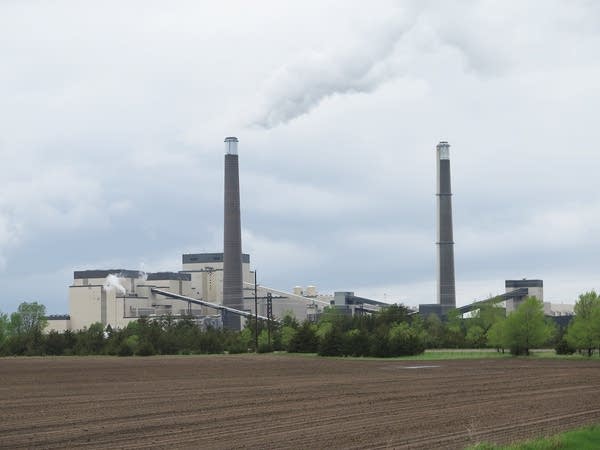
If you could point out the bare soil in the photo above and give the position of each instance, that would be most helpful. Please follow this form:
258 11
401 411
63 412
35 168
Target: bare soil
274 401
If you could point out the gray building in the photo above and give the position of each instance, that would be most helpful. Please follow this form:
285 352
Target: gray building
535 288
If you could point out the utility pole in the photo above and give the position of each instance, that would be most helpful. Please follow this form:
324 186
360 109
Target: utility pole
255 313
269 316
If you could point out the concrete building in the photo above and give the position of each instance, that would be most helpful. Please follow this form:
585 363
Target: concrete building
206 272
58 322
116 297
534 288
352 305
284 303
559 309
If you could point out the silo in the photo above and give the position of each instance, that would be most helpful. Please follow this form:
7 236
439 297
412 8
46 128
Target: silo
311 291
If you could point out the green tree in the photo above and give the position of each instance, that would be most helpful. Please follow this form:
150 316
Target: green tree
562 346
356 342
476 336
435 331
289 320
287 334
25 328
305 340
392 314
379 344
332 343
333 317
495 335
4 327
485 317
405 340
526 327
33 317
584 331
455 330
211 341
90 341
263 342
54 344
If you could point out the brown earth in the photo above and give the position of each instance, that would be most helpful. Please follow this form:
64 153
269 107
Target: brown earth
273 401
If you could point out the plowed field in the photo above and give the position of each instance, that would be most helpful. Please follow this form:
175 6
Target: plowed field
272 401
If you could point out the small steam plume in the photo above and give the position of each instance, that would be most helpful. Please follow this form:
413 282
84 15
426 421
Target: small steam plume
113 282
362 66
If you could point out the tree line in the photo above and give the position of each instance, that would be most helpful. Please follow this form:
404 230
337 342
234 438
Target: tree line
390 333
394 331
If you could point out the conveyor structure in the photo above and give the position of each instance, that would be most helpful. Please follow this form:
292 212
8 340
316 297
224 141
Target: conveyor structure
209 304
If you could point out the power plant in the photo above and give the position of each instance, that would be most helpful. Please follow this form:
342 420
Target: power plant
219 290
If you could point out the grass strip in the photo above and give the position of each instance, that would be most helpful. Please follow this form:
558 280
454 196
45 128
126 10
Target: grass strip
587 438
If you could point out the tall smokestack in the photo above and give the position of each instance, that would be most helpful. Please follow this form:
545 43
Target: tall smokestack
232 237
446 291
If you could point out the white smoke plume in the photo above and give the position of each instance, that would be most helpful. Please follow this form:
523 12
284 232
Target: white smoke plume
360 66
113 282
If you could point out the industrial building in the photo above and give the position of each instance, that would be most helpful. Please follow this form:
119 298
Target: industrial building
533 288
516 291
116 297
525 288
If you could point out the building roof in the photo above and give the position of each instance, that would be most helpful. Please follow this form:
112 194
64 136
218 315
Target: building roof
159 276
122 273
523 283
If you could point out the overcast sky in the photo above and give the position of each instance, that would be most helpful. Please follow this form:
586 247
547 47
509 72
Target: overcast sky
113 114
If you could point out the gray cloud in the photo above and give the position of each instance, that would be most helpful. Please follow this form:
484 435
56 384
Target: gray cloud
111 141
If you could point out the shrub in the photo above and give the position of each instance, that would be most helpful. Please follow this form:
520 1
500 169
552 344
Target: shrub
264 347
304 340
404 340
145 349
356 343
237 346
332 344
124 349
563 348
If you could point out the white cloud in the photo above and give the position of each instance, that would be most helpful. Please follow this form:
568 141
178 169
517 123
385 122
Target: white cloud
113 116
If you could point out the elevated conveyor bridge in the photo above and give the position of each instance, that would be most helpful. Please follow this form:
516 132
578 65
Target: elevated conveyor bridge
216 306
516 294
